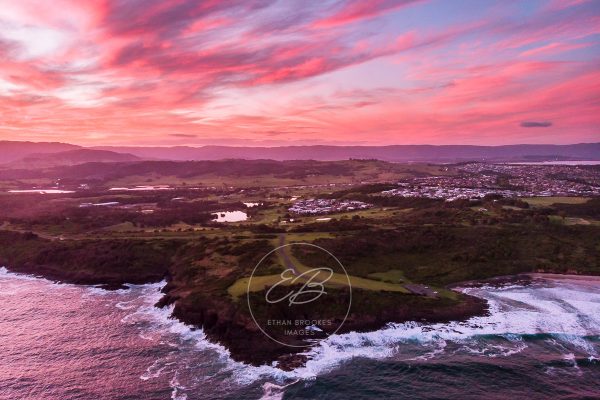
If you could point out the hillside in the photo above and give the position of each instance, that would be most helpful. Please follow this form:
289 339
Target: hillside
71 157
222 172
396 153
13 150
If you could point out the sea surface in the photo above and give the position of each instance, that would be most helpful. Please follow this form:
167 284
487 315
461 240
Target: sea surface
60 341
564 162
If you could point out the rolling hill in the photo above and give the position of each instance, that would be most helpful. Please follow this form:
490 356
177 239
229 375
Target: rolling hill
70 157
33 153
13 150
396 153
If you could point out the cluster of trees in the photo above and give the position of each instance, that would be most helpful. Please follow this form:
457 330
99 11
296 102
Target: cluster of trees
335 225
590 209
96 172
91 218
88 261
66 215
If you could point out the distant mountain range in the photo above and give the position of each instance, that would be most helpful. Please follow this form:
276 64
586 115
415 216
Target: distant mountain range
396 153
40 155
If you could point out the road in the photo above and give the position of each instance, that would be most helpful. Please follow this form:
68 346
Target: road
283 251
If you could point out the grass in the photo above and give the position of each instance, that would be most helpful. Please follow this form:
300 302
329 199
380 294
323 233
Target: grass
391 276
548 201
268 216
513 208
307 236
122 227
571 220
375 213
356 282
258 283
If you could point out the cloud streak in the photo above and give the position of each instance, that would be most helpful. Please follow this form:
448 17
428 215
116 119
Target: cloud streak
536 124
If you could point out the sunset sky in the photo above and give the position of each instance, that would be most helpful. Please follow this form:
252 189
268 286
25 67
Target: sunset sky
142 72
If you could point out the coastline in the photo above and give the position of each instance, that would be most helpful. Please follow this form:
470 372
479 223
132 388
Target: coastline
525 278
106 283
228 324
224 323
574 277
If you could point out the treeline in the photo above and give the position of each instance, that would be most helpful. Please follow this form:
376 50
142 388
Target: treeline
334 225
590 209
96 172
88 261
90 218
448 254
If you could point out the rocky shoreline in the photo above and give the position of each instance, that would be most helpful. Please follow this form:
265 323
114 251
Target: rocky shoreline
226 322
104 282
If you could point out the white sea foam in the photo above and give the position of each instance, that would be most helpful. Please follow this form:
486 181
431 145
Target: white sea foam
176 386
157 324
569 314
272 391
154 371
13 277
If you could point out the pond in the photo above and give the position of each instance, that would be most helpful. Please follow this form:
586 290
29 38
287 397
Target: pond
230 216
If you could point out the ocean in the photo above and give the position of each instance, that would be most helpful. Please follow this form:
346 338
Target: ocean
61 341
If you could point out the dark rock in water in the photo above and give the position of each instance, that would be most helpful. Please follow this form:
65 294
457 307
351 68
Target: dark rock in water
499 281
166 300
113 286
290 362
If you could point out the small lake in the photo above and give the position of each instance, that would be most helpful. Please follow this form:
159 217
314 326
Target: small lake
230 216
142 188
557 163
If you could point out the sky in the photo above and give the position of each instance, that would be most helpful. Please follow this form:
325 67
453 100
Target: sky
270 73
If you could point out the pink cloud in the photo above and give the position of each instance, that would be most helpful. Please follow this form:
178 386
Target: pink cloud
356 10
113 71
553 48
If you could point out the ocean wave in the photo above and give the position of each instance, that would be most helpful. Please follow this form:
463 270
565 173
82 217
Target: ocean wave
566 313
5 273
157 324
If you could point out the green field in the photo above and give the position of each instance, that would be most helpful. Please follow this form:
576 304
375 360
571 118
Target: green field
258 283
548 201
